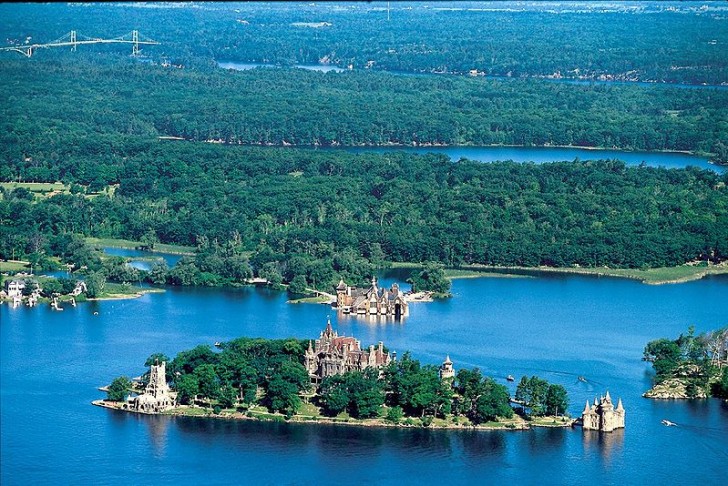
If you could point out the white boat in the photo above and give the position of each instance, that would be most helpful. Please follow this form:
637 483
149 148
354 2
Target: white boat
667 423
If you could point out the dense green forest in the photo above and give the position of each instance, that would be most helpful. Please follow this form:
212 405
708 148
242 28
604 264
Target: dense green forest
680 42
271 373
93 120
330 214
77 120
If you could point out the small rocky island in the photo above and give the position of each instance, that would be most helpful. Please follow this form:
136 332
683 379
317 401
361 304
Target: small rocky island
334 379
690 366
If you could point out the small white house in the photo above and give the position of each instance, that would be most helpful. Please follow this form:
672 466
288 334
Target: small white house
14 288
80 287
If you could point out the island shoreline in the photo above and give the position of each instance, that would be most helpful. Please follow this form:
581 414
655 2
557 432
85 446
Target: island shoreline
177 412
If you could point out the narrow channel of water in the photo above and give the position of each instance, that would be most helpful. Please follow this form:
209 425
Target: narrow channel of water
244 66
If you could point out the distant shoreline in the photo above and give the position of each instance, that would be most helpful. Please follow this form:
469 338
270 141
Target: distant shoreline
651 276
337 145
133 295
655 276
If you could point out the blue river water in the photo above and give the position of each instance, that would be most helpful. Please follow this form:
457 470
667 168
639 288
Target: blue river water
540 155
557 327
143 260
244 66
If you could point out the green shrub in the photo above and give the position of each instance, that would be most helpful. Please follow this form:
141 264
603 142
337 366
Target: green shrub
394 415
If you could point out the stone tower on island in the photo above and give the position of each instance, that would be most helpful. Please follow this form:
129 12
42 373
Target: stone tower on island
446 370
156 397
602 415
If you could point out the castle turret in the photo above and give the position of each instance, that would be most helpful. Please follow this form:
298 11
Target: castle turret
157 385
329 332
309 360
157 396
446 370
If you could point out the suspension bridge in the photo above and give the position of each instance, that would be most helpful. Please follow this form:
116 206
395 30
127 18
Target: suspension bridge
74 39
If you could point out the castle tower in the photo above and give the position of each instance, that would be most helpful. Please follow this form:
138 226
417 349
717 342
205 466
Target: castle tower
446 370
309 360
157 396
328 334
157 386
342 290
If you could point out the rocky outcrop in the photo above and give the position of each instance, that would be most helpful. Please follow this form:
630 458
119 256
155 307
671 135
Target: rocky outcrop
673 388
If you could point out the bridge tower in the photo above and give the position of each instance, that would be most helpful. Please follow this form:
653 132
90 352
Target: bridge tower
135 40
74 42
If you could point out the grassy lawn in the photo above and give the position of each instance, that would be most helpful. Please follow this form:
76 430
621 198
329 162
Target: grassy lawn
308 409
654 276
120 291
191 411
551 421
321 299
13 266
48 189
39 189
452 273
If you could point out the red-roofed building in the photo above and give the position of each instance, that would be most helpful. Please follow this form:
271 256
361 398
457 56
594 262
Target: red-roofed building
333 354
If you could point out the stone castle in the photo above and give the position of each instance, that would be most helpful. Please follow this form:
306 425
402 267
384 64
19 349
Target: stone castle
333 354
157 396
602 415
371 301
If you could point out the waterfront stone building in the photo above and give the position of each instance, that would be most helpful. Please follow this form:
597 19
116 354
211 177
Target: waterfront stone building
332 354
602 415
371 301
157 396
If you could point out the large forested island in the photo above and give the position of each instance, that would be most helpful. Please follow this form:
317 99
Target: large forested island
285 379
98 144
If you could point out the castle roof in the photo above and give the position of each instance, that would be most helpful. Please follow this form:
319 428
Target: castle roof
586 408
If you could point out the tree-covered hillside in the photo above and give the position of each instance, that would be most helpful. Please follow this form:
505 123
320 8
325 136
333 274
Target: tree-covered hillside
282 203
61 117
100 122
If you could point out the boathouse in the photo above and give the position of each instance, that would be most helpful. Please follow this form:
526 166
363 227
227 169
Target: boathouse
371 301
602 415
